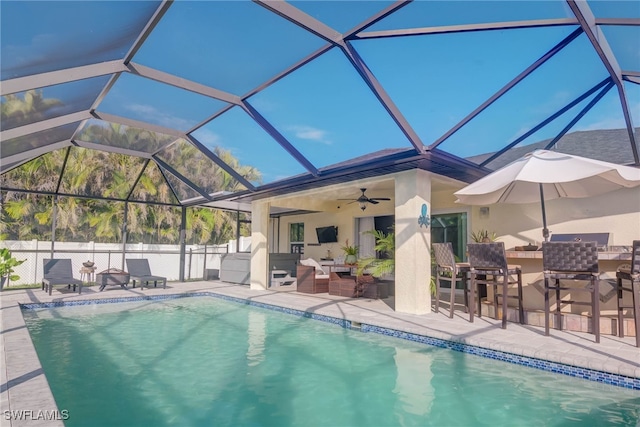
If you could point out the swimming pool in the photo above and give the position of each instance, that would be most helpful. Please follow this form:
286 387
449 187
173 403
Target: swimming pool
203 361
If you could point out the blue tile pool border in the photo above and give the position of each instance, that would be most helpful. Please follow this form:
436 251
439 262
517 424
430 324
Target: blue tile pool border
555 367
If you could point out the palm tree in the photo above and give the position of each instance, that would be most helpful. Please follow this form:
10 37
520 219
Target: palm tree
90 172
29 107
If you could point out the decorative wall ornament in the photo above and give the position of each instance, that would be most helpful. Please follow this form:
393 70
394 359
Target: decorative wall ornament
424 219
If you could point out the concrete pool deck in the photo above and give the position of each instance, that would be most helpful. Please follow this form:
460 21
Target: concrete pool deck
25 388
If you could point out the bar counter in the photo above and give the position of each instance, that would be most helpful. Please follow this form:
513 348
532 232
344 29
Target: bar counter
602 256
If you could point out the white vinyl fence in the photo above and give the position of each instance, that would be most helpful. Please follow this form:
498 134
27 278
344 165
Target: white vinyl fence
164 260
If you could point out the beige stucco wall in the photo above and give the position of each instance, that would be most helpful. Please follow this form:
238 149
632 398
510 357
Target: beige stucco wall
413 243
259 244
339 213
617 213
344 219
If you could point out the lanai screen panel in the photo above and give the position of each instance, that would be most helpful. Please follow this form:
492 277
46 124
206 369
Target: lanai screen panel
99 173
152 187
122 136
179 187
233 46
327 112
25 143
534 139
615 8
273 90
554 84
235 133
445 77
40 174
199 169
35 105
420 14
342 16
148 101
41 36
620 39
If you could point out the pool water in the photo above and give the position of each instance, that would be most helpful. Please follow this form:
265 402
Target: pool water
202 361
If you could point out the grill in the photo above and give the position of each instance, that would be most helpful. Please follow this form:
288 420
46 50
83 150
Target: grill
602 239
112 276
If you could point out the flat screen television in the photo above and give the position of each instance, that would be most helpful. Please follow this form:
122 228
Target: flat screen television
327 234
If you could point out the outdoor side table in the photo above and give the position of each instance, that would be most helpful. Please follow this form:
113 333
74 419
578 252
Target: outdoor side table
87 274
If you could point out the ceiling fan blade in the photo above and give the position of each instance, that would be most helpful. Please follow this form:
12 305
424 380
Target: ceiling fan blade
373 202
381 198
349 199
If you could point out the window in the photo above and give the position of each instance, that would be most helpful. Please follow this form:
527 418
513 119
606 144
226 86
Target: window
451 228
296 237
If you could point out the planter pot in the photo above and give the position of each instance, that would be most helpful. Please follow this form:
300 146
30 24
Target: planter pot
350 259
2 280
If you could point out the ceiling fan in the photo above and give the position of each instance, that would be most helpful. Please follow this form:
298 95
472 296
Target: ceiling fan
363 199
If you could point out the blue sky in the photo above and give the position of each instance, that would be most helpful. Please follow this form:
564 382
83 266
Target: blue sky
324 108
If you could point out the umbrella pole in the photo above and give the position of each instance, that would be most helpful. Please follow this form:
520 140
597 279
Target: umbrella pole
545 230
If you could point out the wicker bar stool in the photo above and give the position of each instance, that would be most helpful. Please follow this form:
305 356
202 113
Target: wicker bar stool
633 276
571 261
449 270
488 262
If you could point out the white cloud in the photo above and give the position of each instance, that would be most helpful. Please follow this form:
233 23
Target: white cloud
152 115
310 133
207 137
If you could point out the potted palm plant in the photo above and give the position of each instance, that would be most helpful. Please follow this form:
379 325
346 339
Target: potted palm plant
386 246
7 264
351 253
484 236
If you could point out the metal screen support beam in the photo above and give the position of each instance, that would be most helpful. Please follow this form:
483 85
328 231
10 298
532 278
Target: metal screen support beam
275 134
183 245
54 217
587 22
382 96
547 121
237 231
581 114
181 178
124 233
44 125
530 69
218 161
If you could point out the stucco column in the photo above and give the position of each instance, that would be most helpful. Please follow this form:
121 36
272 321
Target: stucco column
259 248
413 242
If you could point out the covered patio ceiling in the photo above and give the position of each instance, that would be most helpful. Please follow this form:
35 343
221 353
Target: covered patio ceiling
271 96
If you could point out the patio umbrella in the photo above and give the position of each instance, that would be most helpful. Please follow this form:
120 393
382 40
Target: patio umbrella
545 175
